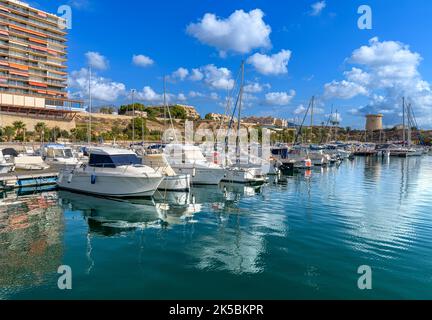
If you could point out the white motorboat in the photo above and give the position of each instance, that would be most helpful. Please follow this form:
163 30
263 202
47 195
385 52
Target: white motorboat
406 152
59 155
25 161
291 158
319 158
171 181
188 159
5 166
336 152
244 174
113 173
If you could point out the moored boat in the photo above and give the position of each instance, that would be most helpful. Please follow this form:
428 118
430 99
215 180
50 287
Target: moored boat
171 181
188 159
113 173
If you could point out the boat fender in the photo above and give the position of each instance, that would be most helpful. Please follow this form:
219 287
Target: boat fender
194 172
70 178
93 179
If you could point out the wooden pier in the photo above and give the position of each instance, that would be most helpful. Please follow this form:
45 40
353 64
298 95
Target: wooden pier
23 179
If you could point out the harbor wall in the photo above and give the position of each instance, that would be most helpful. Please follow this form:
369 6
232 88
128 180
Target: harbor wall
31 122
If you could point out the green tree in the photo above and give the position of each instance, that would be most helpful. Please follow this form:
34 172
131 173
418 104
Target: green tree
116 130
107 110
9 133
140 123
20 128
79 134
54 134
41 130
130 107
64 134
178 112
208 117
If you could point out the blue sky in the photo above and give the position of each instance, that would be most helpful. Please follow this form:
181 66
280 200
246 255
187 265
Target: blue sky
292 53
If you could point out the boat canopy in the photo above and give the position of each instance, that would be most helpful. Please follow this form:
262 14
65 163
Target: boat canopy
280 152
186 153
10 152
112 158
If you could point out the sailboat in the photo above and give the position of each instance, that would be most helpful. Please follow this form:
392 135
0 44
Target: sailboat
243 173
407 150
173 181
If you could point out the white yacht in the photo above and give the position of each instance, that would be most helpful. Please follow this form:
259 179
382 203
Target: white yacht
113 173
59 155
171 181
188 159
245 174
405 152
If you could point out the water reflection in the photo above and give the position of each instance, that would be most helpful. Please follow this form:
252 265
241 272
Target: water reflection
385 209
304 230
31 239
110 217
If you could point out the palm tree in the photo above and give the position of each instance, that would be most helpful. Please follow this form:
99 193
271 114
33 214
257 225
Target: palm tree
9 132
41 128
20 128
55 133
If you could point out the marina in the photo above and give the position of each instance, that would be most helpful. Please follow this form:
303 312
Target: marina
175 151
288 239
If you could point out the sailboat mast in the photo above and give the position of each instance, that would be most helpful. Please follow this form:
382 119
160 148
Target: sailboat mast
409 125
403 121
89 129
164 103
167 110
312 118
239 115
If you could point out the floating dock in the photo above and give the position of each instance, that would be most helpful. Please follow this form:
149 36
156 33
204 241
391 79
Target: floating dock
23 179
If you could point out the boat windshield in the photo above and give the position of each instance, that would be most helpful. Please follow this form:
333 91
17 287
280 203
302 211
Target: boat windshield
113 161
59 153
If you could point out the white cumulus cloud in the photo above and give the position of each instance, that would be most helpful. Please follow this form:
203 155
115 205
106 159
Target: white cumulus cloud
241 32
279 98
343 90
103 89
256 87
196 75
217 78
96 60
180 73
142 60
271 65
385 71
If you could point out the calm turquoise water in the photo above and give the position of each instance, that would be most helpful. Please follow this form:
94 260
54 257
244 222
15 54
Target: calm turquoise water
300 237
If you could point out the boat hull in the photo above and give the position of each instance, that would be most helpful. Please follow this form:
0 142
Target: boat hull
109 186
249 176
6 168
176 183
202 176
